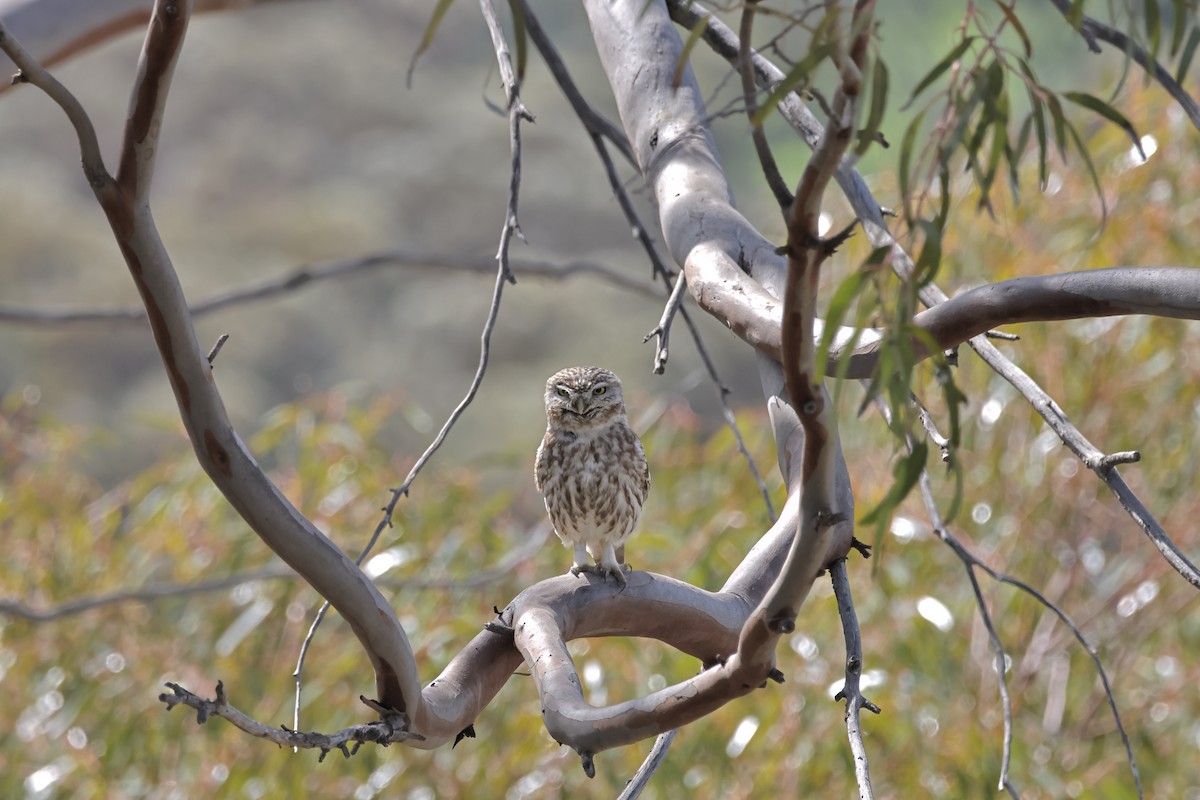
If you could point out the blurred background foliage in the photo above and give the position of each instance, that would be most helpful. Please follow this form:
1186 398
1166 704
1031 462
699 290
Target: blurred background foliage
269 163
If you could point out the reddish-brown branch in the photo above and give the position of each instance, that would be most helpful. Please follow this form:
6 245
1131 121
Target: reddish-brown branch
57 30
805 250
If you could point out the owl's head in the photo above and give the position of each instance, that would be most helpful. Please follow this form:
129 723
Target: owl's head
583 397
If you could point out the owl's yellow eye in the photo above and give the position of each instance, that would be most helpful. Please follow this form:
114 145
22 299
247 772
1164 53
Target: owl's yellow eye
561 392
599 390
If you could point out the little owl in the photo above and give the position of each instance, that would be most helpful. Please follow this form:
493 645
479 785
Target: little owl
591 468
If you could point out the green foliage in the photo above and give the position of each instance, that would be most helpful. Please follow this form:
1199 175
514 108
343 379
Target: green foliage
435 19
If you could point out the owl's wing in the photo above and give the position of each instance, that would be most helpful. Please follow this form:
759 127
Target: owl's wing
645 471
540 466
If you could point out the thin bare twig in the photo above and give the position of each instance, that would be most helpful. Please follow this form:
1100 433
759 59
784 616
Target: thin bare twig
852 692
302 277
216 348
663 329
766 159
147 594
971 562
1001 659
654 759
531 542
1100 463
388 730
931 430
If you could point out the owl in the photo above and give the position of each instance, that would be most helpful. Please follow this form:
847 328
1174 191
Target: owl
591 469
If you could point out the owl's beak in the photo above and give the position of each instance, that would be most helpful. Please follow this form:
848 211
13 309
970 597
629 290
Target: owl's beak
579 404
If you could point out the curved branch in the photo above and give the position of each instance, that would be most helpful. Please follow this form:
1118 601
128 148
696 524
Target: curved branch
32 72
664 119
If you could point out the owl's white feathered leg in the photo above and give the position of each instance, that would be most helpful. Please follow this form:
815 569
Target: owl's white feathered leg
582 562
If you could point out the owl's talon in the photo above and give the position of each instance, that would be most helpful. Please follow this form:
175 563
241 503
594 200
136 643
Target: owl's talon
617 571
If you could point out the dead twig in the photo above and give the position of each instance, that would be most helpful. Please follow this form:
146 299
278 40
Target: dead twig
385 731
851 691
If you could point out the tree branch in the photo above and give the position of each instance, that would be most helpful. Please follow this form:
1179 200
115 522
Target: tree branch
766 159
654 759
971 562
302 277
851 691
148 594
663 329
516 113
57 30
1092 30
386 731
33 73
531 542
